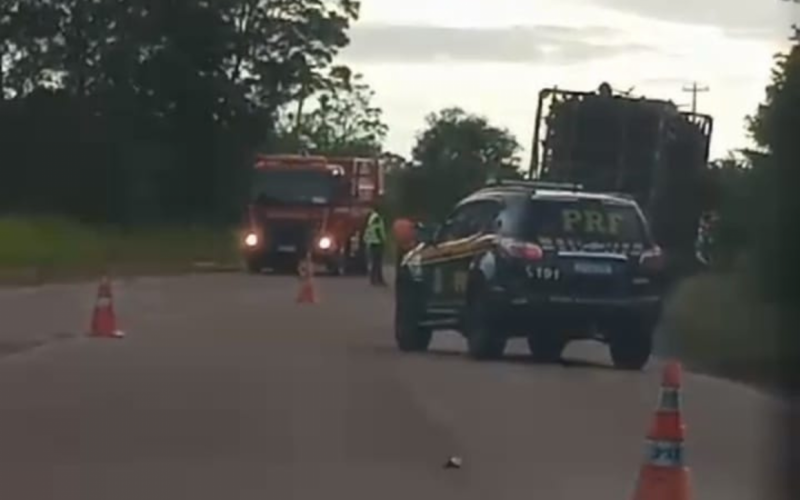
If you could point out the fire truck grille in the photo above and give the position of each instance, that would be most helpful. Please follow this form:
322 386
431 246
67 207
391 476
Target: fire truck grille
285 236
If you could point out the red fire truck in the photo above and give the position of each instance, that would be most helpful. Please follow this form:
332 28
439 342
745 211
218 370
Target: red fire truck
302 205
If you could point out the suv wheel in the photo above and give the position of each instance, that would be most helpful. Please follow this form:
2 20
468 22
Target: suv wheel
546 346
631 345
408 334
483 341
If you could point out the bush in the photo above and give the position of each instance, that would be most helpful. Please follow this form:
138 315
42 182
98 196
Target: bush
718 323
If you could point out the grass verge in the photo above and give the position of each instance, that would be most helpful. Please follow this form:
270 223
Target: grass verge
718 324
34 250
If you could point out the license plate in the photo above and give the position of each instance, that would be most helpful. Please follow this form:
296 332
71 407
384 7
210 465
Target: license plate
593 268
287 248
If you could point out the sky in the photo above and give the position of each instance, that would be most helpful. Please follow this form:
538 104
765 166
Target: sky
492 57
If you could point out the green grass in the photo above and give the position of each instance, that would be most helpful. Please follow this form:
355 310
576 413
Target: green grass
53 248
717 323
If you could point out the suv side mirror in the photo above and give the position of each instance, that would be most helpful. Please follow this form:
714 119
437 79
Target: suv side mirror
426 233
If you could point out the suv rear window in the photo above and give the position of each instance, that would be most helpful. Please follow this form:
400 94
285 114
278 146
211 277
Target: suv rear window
584 221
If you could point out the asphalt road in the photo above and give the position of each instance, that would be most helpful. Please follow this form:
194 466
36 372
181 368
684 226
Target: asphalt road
225 388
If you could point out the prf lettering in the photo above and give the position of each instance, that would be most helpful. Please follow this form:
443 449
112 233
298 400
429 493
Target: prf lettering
591 221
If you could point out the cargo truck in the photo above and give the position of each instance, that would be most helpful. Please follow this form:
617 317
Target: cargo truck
647 149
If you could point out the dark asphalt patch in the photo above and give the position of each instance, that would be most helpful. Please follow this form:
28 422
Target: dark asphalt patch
14 347
10 348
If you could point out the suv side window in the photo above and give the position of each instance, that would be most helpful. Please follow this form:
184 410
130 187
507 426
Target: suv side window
470 219
485 216
509 218
454 225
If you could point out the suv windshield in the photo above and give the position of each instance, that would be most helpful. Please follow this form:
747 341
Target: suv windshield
292 186
584 221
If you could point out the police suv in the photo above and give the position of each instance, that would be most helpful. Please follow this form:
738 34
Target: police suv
544 261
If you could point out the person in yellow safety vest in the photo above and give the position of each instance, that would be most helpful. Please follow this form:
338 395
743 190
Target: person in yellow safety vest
375 240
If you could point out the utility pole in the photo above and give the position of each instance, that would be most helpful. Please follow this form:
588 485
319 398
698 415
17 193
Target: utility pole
694 89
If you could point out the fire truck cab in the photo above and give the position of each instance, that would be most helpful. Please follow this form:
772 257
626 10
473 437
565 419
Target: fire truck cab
309 206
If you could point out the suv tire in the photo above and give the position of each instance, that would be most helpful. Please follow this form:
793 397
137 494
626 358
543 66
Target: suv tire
408 334
546 346
483 341
631 345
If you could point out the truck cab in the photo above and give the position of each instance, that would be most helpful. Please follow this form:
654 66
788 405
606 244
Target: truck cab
308 206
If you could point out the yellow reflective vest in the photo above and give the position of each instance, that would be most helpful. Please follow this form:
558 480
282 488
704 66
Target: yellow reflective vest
375 233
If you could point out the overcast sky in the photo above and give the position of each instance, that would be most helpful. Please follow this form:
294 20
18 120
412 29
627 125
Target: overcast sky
492 56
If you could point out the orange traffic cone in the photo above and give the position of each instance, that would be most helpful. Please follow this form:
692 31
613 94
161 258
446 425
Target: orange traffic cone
307 293
104 321
664 476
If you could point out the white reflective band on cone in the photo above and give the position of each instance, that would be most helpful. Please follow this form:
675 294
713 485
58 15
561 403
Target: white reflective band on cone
669 399
664 453
103 301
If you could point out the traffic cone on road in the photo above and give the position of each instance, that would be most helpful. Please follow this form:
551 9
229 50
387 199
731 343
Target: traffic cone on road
307 293
104 321
664 476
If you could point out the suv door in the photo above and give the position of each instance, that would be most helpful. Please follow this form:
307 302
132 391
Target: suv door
456 246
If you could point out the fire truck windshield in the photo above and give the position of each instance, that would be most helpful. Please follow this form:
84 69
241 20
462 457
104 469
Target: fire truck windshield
292 187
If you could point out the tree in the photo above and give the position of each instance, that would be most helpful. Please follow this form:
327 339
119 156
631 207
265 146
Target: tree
343 121
728 191
393 162
774 128
455 154
175 95
26 26
781 107
274 49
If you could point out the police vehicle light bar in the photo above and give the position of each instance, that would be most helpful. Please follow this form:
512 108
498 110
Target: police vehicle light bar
561 186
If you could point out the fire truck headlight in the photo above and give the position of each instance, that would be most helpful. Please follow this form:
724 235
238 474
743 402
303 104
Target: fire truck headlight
325 243
251 240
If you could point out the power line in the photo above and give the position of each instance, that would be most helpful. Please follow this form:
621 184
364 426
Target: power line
694 89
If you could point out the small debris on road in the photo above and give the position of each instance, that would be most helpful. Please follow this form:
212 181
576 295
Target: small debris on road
453 463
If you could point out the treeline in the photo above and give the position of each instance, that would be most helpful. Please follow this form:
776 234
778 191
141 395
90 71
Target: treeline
775 175
755 190
149 111
141 111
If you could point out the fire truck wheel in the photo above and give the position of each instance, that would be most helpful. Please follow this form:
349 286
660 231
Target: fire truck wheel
355 262
288 268
338 266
